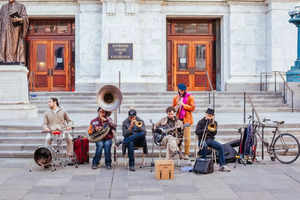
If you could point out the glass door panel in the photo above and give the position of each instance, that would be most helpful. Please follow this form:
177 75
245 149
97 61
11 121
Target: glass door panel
60 63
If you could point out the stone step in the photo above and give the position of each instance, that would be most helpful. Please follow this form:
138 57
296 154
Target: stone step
167 103
161 101
201 93
232 110
161 97
37 133
28 128
161 108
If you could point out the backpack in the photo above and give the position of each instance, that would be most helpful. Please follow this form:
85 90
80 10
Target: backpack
203 166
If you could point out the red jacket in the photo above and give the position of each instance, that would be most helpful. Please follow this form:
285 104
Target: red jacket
98 123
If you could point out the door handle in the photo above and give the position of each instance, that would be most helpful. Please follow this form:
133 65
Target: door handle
50 72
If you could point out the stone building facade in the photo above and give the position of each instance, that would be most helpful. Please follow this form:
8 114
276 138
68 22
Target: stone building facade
250 37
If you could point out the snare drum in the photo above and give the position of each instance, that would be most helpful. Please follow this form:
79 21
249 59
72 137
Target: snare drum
56 132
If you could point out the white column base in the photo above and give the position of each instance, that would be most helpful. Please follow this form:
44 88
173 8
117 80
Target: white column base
14 101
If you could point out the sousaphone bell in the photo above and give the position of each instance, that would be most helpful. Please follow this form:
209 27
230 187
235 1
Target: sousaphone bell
109 98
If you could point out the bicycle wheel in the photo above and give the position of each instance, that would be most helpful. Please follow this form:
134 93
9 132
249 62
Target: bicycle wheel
286 148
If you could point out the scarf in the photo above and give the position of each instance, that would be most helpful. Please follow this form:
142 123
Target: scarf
182 112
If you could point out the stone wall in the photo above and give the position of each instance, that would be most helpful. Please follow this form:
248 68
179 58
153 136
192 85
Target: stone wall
255 37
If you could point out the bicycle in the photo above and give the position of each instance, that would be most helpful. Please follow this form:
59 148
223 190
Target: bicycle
284 147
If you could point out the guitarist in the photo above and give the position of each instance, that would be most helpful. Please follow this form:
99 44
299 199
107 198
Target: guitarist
172 140
97 124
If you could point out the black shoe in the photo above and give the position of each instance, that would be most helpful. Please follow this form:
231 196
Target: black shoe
118 143
131 169
108 167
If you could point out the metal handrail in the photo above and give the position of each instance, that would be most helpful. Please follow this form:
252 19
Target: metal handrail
264 86
211 91
253 109
286 86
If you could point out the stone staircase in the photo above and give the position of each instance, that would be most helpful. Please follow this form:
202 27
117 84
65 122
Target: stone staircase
19 141
158 102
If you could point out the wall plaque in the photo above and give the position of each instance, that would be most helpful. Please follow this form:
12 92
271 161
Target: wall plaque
120 51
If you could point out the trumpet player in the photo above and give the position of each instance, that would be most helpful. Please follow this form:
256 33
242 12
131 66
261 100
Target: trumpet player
206 135
184 104
134 130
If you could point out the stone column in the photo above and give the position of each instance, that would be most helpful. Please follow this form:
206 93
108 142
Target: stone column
14 101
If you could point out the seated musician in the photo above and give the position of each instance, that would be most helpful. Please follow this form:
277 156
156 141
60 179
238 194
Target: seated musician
134 130
57 119
96 125
172 140
210 138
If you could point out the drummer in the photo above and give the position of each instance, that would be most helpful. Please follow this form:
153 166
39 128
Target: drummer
57 119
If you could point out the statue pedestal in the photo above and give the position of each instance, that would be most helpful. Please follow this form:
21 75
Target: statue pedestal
295 86
14 101
293 75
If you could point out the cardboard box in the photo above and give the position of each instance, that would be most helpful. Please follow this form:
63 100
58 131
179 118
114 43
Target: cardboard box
164 169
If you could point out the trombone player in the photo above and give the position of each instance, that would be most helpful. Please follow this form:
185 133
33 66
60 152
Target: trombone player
206 131
134 130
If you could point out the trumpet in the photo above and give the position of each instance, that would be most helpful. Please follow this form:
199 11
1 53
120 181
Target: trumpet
137 123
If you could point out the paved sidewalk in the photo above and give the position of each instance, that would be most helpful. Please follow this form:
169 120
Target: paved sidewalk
267 181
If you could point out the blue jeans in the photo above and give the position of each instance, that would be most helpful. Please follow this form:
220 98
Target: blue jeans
106 144
217 146
129 142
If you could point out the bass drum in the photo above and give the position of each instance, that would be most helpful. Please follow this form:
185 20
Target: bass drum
43 156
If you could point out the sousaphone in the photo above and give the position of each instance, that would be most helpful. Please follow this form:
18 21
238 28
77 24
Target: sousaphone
109 98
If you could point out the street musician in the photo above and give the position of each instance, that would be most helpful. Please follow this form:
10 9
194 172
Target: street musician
102 123
134 131
172 128
206 131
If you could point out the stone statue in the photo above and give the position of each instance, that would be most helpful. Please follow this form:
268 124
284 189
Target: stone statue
13 29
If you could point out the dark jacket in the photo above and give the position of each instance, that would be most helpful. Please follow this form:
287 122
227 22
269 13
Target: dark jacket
200 128
126 124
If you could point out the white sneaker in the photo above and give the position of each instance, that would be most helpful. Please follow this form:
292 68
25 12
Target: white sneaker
224 168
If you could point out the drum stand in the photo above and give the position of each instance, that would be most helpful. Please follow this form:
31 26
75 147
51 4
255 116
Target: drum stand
59 157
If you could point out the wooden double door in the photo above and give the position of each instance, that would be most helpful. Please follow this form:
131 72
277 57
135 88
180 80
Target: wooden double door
191 53
50 65
192 64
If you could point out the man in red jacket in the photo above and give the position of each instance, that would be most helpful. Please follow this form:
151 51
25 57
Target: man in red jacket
96 124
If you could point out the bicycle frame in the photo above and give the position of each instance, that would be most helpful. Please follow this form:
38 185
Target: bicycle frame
270 146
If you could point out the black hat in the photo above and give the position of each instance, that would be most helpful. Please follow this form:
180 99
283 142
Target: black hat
132 112
210 111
